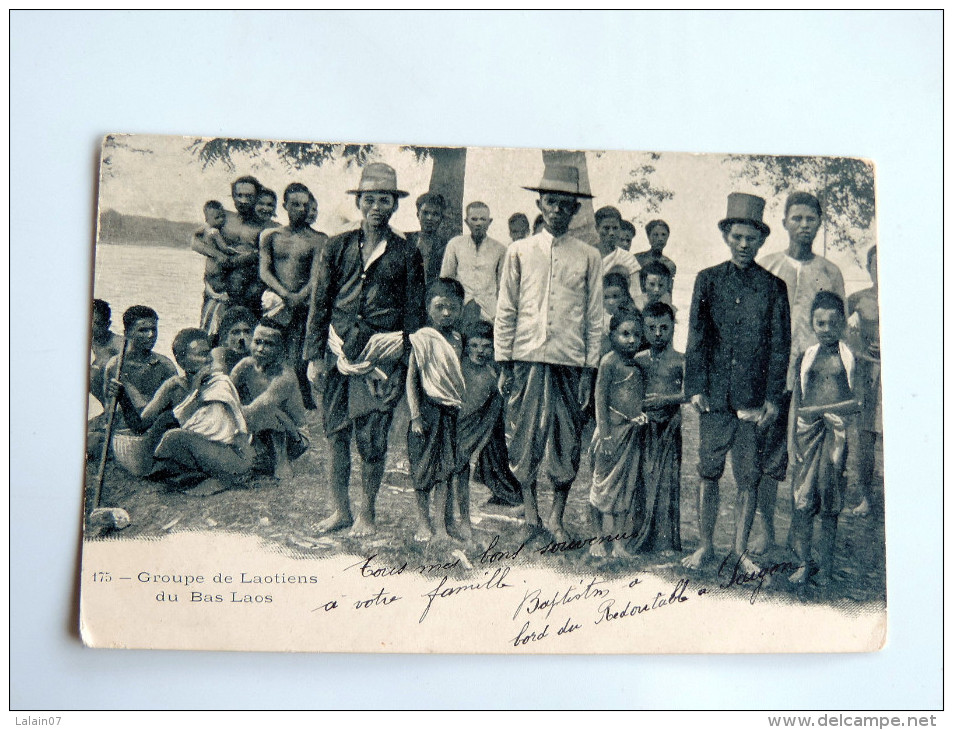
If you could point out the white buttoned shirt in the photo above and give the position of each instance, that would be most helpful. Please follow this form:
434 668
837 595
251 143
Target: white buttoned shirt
550 305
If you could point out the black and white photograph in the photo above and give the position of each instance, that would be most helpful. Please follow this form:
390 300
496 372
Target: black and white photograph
384 388
514 359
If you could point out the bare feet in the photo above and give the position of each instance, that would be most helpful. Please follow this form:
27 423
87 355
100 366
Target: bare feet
749 566
558 531
822 578
337 521
362 527
598 550
423 533
862 509
463 532
698 558
533 530
619 551
799 576
762 544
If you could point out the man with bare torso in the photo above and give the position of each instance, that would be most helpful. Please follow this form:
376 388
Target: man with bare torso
287 256
240 231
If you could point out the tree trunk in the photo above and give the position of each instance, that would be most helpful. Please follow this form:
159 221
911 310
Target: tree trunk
583 225
447 178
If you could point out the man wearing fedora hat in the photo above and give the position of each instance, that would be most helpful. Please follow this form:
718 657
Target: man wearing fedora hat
367 297
736 361
548 339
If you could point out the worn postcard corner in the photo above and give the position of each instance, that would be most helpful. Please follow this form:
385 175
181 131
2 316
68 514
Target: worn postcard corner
356 397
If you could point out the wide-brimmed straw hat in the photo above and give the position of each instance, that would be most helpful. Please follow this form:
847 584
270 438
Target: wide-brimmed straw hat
378 177
560 179
745 208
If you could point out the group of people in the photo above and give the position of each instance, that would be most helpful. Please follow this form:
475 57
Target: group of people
504 353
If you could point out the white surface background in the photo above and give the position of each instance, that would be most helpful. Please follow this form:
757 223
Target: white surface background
855 84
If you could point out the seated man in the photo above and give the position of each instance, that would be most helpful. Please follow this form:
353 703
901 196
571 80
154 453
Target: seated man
142 369
209 451
104 345
271 401
234 339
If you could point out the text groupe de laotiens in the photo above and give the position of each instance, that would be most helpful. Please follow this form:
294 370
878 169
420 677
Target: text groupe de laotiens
187 579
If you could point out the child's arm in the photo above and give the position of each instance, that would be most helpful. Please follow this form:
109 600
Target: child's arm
265 265
662 400
603 378
842 408
201 244
413 395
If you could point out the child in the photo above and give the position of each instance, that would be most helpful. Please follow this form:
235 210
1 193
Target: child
615 295
864 320
664 370
655 279
233 342
266 205
217 252
822 400
480 430
617 495
435 390
271 402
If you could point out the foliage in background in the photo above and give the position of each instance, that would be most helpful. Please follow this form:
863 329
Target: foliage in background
844 185
447 177
642 192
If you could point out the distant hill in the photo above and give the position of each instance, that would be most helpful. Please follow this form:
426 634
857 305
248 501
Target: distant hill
139 230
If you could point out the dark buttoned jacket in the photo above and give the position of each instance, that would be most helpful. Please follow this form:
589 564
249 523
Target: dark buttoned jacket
387 297
739 337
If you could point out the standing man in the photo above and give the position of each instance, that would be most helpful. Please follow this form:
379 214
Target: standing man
805 274
287 256
548 338
614 258
476 261
240 231
431 209
739 342
367 297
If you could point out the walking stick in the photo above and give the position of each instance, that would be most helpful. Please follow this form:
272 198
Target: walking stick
108 517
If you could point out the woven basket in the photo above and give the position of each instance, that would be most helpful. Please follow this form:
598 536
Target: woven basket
134 453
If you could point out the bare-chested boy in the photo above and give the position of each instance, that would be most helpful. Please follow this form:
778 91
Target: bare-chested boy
822 404
287 257
218 256
664 370
271 401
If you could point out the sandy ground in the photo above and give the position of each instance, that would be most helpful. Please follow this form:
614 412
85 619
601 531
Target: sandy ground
286 513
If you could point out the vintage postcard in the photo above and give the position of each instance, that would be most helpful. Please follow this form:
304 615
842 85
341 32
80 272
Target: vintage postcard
378 398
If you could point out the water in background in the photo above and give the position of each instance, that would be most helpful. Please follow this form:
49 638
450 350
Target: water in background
170 280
